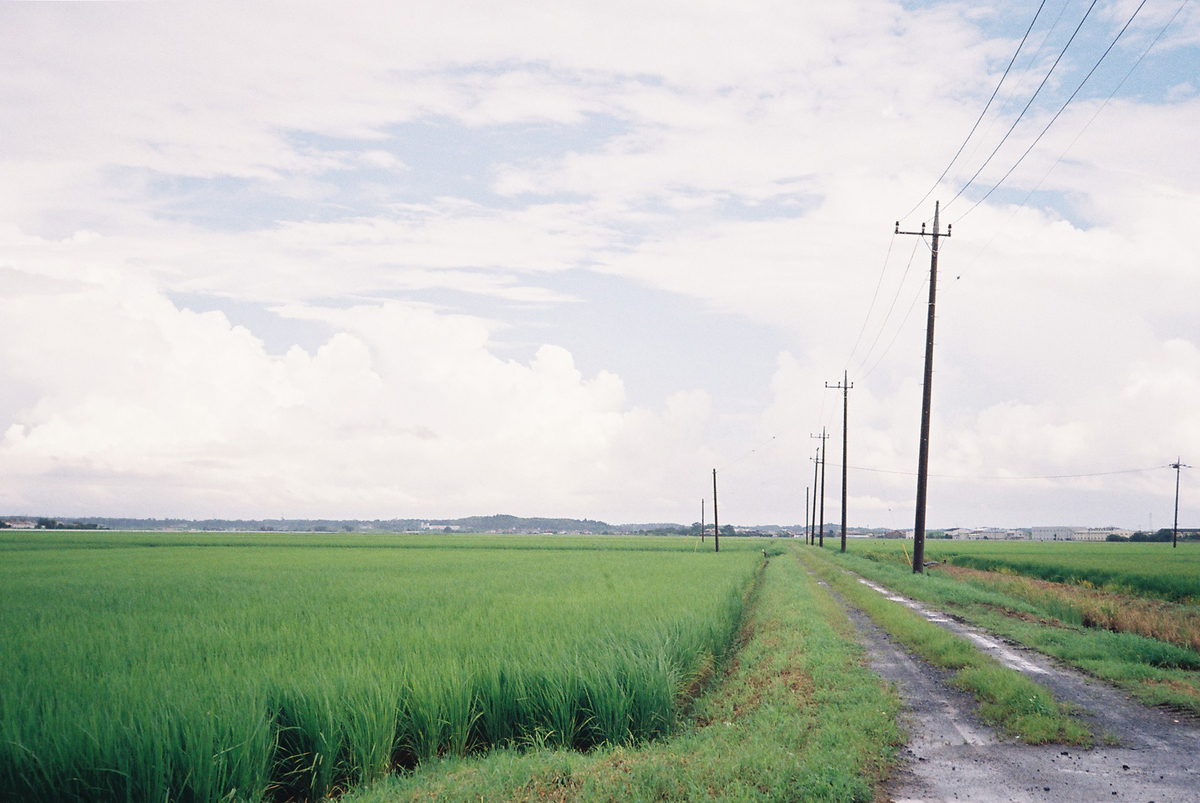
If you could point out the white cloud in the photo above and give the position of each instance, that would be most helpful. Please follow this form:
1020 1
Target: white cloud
748 160
403 411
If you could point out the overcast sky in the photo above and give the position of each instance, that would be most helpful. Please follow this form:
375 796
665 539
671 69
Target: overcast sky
416 259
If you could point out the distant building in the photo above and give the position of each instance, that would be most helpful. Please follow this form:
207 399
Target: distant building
1100 533
1052 533
987 534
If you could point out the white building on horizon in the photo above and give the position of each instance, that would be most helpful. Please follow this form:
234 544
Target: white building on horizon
1052 533
1100 533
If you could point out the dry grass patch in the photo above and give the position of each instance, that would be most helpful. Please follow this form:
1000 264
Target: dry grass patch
1079 604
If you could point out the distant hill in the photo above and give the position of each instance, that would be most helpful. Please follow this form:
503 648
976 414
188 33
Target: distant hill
478 524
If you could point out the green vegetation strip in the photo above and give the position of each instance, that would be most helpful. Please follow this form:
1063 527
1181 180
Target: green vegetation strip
797 716
1155 672
1150 570
1018 706
152 667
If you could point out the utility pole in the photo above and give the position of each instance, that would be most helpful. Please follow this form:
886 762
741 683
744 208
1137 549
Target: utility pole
844 386
716 526
821 462
806 515
926 396
1175 530
812 533
823 437
702 521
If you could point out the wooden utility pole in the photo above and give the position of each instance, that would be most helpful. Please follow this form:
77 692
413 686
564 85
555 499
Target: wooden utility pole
844 386
812 534
820 539
1175 529
806 515
823 437
716 525
926 396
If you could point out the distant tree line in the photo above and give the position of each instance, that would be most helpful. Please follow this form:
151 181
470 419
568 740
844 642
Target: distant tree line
1157 537
55 524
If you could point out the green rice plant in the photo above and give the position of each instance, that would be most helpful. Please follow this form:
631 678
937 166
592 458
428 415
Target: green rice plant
797 716
150 667
370 729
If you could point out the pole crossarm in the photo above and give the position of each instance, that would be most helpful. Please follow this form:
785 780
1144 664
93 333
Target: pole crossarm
922 232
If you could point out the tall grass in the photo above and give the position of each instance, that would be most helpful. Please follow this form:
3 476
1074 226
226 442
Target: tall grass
283 670
1087 607
1151 570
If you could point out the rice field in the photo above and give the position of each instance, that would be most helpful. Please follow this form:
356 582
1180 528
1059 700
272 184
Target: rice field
202 668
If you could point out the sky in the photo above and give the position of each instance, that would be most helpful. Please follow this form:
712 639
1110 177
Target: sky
404 259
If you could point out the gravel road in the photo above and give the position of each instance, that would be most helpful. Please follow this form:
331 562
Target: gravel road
952 756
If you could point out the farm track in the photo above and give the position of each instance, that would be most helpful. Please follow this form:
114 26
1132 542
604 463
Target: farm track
952 756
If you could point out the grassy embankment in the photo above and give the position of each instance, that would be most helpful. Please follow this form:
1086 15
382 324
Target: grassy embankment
183 667
1014 703
1115 625
795 716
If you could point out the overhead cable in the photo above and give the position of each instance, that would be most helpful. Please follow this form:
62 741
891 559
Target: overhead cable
1062 108
1032 97
871 306
1007 477
978 120
891 307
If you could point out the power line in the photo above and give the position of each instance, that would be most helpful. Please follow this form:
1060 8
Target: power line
761 444
899 329
1032 97
1009 477
981 250
887 316
1061 109
871 306
1016 85
978 120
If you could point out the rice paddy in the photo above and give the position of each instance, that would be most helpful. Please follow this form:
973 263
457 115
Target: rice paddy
203 668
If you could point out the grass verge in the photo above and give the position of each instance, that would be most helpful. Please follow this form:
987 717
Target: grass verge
1084 606
1009 700
1153 671
797 716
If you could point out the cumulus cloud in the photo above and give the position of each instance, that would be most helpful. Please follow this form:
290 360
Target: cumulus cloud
403 411
415 185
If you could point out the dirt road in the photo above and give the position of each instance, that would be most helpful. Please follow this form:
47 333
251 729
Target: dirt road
952 756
